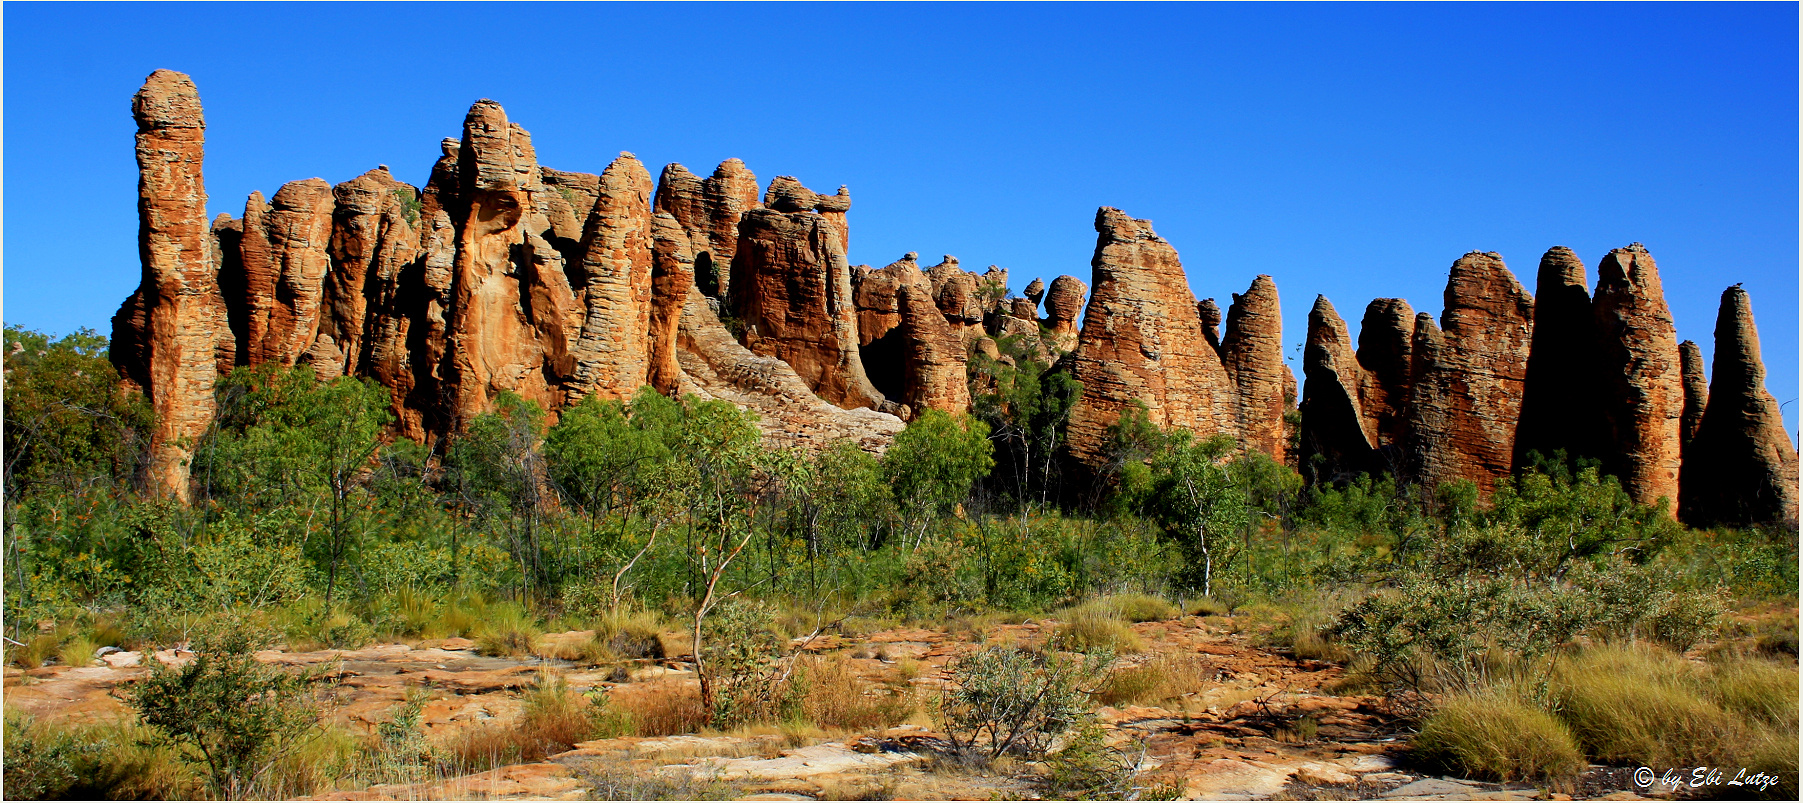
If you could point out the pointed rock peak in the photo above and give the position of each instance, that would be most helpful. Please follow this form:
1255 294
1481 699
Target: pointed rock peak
626 161
1322 307
675 170
948 261
1262 285
168 100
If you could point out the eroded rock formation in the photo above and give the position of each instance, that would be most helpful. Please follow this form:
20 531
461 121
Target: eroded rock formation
1142 342
1562 399
1063 303
709 211
1696 391
1338 440
1741 468
1252 355
171 326
1641 375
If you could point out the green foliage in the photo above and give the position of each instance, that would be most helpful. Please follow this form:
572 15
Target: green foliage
411 206
68 423
934 463
740 652
226 713
1197 498
1026 405
1005 699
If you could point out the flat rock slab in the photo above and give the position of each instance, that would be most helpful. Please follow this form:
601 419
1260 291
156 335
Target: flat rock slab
830 758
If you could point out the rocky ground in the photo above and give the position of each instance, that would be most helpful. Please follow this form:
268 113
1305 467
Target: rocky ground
1264 725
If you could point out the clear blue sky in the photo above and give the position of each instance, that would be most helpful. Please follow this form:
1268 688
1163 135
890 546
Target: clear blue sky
1351 150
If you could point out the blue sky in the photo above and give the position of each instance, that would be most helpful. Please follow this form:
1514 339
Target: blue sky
1350 150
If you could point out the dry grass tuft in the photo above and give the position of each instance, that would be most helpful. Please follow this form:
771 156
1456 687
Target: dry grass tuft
1163 678
1139 607
661 709
1495 736
510 630
1091 627
831 695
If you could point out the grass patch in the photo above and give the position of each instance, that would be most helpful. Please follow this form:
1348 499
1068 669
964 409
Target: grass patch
661 709
829 694
1642 705
78 651
1139 607
1091 627
510 630
1495 736
631 634
1163 678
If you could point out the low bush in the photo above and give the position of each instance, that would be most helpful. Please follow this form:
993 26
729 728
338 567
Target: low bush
1495 736
1005 700
555 718
48 760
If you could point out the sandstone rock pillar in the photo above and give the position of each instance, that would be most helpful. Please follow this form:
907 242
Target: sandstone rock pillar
173 324
1252 354
1338 438
1142 342
1741 468
1562 399
1641 374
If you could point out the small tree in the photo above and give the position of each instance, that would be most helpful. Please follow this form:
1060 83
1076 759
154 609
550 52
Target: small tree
1196 497
1008 699
234 717
933 465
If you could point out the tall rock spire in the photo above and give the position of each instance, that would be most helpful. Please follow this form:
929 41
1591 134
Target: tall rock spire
1252 354
166 336
1641 374
1741 468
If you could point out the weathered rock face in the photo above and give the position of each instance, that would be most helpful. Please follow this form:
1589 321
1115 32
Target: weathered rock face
371 238
1641 375
792 289
1252 354
1696 391
934 356
1741 468
171 326
1562 400
709 211
1338 440
1385 334
672 280
1063 303
285 259
1466 395
1034 291
1142 341
610 357
1211 321
957 294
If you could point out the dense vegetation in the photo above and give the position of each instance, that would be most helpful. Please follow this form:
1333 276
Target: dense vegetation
308 528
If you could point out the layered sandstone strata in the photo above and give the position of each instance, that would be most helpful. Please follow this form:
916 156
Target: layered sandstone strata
168 333
1338 440
1641 375
1252 355
1467 387
1142 343
1063 303
792 291
709 210
1741 468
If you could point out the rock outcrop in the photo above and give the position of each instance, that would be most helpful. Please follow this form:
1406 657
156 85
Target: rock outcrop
1063 303
1642 377
1696 392
1211 321
709 211
1338 440
1562 398
792 290
611 357
1741 468
1142 343
1252 354
1466 388
1385 335
169 329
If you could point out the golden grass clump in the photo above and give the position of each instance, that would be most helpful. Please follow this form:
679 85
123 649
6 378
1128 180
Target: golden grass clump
831 695
632 633
1165 677
1091 627
78 651
509 630
1492 735
661 709
1140 607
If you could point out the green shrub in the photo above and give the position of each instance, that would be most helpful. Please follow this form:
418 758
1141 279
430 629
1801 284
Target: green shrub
1009 700
222 711
1494 736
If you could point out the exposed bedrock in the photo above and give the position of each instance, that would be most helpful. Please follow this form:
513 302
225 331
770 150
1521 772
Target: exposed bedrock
1641 375
1252 355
